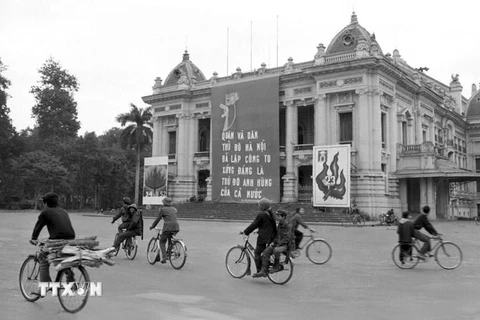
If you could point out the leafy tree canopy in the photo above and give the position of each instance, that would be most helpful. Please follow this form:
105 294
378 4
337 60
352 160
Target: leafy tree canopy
55 109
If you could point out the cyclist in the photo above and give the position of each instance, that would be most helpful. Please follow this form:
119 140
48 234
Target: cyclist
265 222
123 212
134 227
59 227
277 246
296 220
405 232
170 225
422 222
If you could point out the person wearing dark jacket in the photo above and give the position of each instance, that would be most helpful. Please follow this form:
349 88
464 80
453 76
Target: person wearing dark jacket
59 227
134 227
297 220
170 225
279 244
422 222
405 233
266 225
123 212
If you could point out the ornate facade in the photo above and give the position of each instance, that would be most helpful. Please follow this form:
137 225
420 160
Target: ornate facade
414 140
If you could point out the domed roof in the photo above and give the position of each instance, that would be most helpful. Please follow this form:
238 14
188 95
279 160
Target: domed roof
350 38
473 106
184 71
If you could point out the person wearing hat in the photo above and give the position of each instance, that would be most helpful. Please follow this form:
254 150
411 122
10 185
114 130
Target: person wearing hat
265 223
59 227
123 212
277 246
133 228
170 225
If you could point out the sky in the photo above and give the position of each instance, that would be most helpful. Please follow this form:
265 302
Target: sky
116 48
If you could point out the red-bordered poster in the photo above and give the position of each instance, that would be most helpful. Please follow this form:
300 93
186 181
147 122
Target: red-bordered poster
331 176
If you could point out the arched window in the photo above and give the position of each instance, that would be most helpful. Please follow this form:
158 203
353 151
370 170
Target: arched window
204 139
301 134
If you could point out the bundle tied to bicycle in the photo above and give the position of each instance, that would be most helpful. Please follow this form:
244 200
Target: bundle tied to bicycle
67 253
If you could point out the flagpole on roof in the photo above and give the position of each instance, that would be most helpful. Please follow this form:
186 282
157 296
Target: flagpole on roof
277 40
227 49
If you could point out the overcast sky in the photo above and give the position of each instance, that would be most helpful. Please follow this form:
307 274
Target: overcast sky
116 48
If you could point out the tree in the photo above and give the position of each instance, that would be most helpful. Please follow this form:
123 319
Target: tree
40 172
10 145
138 135
55 109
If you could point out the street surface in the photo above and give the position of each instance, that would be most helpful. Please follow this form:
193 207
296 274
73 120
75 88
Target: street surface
359 282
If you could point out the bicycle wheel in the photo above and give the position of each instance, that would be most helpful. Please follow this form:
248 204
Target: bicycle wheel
405 256
80 289
29 279
284 275
319 251
153 251
237 262
131 248
448 255
178 254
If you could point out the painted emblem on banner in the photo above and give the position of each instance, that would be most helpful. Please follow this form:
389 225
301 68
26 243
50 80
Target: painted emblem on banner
229 110
333 184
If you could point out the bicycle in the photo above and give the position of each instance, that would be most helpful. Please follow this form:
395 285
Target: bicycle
239 259
447 254
29 279
315 249
176 250
476 221
130 245
358 220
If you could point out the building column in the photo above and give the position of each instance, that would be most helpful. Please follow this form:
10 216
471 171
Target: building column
427 196
376 148
363 134
157 137
320 122
289 179
184 184
393 136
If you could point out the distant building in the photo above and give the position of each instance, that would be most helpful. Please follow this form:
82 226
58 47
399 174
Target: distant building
414 140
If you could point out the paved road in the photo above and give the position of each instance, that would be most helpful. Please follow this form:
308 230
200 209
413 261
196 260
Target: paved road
359 282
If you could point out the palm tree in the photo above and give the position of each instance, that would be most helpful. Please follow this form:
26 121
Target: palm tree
136 135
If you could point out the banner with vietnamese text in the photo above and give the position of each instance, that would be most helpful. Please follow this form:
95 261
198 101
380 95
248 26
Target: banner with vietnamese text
245 141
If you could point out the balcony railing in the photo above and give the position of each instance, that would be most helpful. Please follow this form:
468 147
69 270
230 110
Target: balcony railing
300 147
202 154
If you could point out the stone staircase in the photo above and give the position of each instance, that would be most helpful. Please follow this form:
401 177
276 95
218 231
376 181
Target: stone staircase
248 211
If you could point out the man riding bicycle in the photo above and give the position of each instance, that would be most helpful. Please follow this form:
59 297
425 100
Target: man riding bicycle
280 244
297 220
123 212
134 227
422 222
59 227
170 225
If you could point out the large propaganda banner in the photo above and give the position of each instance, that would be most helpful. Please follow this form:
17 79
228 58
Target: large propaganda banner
331 176
155 180
245 141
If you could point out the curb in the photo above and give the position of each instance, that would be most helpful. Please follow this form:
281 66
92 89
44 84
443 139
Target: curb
338 224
